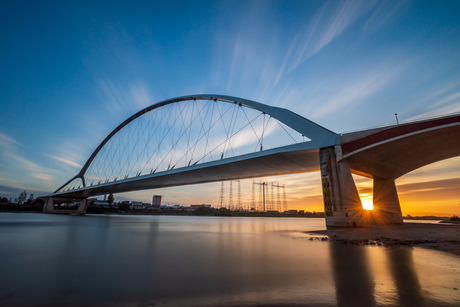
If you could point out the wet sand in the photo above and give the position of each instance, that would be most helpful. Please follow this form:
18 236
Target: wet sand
442 237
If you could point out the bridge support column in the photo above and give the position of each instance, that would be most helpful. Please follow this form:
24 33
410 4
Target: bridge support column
342 205
65 205
387 209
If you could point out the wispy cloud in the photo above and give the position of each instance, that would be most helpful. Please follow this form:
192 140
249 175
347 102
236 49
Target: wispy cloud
445 169
42 176
355 89
123 98
7 142
443 185
384 14
328 23
453 98
16 162
63 160
268 66
28 165
437 99
449 109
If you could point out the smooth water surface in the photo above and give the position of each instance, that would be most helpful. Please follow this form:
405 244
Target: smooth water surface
60 260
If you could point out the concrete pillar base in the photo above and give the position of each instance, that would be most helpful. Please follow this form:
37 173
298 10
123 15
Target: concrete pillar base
387 209
342 205
62 205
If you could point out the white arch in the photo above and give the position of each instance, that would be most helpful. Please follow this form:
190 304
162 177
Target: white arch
319 136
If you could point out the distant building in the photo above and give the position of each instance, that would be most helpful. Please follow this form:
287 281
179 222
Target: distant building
156 201
105 204
136 205
171 207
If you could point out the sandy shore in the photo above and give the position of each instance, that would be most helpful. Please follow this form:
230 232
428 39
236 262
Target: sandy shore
443 237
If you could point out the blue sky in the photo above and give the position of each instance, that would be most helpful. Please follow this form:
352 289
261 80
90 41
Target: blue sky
71 71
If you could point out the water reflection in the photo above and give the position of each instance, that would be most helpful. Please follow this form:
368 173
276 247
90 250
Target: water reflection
354 282
201 261
361 277
405 277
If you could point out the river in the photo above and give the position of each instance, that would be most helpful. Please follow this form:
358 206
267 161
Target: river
101 260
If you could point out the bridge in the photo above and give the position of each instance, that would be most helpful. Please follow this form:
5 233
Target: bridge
207 138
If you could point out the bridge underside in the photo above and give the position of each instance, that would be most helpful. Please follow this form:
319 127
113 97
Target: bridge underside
229 169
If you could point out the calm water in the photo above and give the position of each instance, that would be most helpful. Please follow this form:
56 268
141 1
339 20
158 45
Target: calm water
58 260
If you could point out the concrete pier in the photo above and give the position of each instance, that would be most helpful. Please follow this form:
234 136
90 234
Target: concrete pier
342 204
341 199
65 209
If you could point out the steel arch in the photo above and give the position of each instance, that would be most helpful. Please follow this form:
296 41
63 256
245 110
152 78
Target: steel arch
319 136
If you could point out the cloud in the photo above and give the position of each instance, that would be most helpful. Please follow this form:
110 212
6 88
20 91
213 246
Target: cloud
42 176
6 141
431 190
26 164
250 61
449 109
17 163
124 97
63 160
385 13
445 169
440 99
351 90
454 98
13 192
327 24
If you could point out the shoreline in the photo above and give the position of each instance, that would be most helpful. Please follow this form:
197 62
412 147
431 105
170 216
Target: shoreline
441 237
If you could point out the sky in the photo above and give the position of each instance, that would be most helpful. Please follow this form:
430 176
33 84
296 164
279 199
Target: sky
71 71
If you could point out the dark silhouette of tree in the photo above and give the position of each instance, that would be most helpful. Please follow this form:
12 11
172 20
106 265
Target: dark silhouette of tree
202 210
124 205
22 197
110 199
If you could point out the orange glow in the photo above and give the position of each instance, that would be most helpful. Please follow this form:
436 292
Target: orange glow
367 201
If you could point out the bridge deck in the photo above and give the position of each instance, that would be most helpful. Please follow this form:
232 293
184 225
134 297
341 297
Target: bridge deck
397 150
278 163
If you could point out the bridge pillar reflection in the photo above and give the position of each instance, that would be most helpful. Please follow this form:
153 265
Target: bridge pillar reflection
65 205
342 205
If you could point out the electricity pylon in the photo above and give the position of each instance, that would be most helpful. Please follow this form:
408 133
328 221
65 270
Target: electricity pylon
262 187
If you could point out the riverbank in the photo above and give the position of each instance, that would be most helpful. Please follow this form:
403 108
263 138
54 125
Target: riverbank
442 237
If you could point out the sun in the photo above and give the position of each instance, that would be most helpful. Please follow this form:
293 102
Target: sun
367 201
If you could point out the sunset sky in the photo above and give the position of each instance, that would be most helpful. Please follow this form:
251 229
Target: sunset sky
71 71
